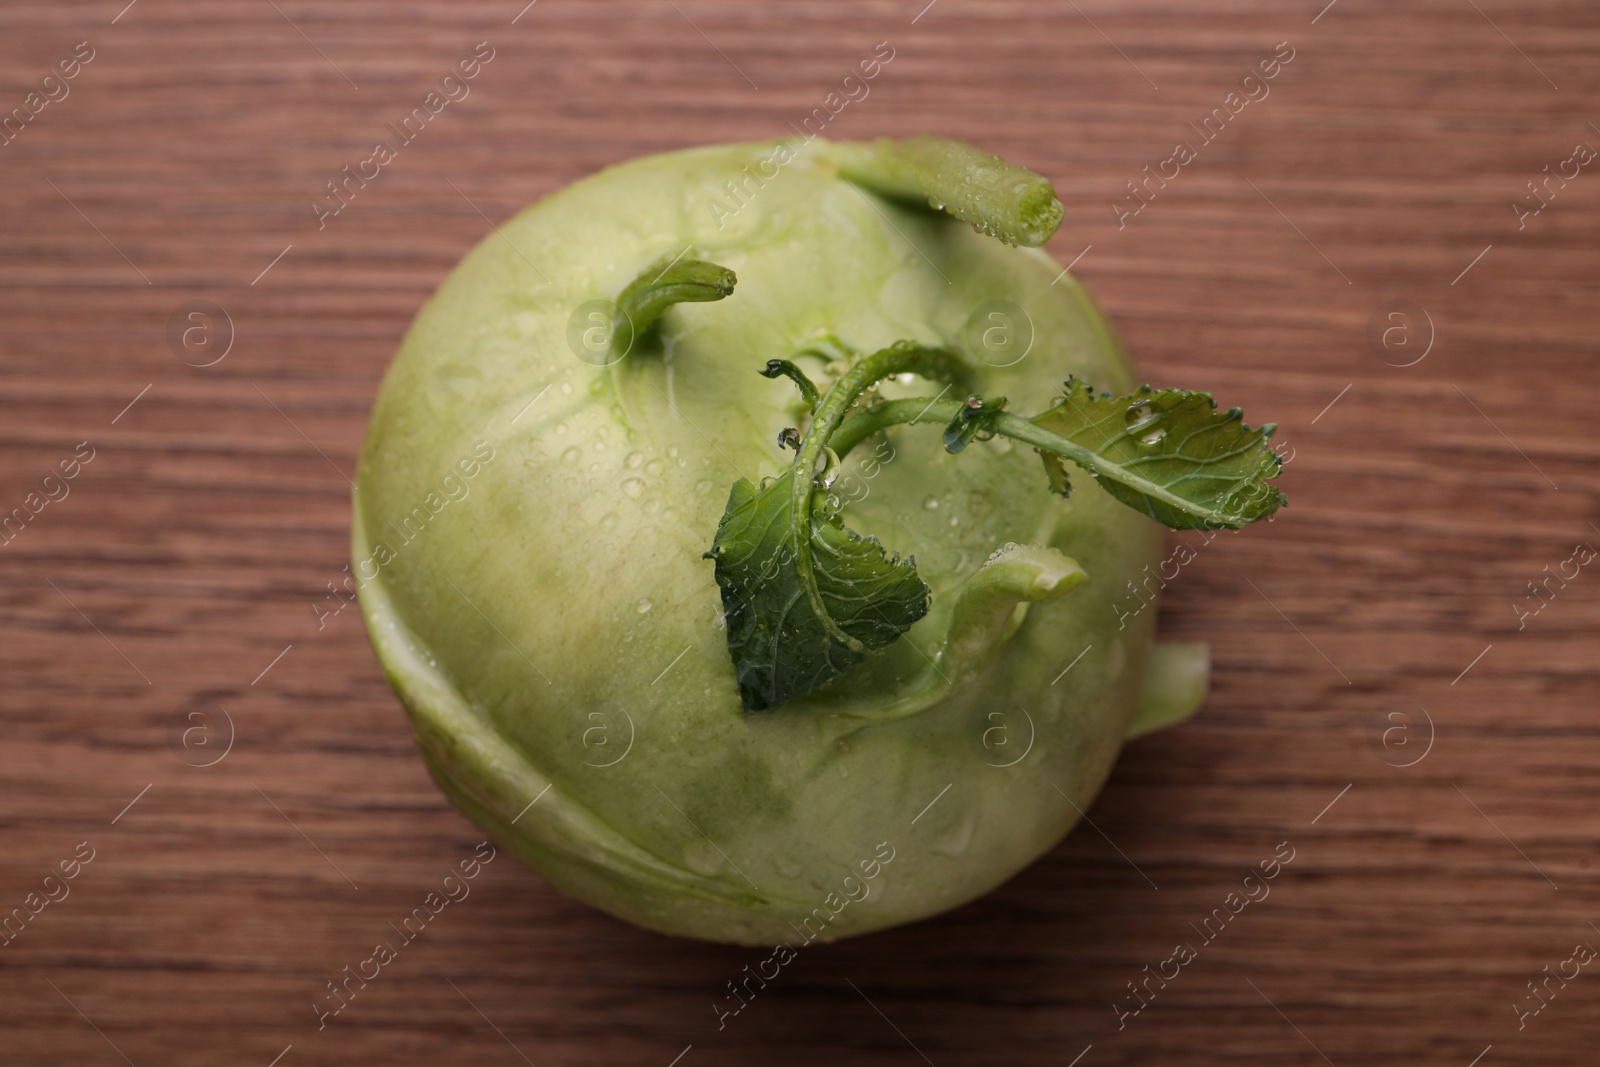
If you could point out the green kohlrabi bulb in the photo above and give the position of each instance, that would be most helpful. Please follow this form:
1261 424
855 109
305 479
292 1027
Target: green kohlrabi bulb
716 693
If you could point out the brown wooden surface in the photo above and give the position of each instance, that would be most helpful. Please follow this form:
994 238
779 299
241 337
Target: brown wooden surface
189 552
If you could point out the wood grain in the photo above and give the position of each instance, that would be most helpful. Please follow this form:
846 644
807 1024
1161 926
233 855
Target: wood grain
190 550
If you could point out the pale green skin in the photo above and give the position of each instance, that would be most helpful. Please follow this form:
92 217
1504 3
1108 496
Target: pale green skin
588 563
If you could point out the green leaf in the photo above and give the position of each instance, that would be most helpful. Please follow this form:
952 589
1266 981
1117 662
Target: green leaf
1168 453
781 647
806 599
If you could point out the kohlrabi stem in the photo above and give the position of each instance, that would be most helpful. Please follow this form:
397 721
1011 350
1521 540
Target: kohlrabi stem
646 298
922 409
859 427
998 198
897 359
917 410
659 287
787 369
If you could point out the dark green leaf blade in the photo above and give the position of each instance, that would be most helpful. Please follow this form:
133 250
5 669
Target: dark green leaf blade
1169 454
977 416
781 648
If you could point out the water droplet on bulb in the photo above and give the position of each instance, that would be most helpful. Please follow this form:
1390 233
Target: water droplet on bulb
702 857
645 606
932 503
633 487
956 840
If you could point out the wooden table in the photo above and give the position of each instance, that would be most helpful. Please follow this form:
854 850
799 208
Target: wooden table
172 588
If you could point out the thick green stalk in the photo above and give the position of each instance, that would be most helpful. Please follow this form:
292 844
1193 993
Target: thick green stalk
659 287
998 198
859 427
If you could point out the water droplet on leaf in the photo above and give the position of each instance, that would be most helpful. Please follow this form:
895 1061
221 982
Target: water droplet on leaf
830 468
1140 415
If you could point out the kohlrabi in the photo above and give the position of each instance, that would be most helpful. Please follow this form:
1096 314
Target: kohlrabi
702 529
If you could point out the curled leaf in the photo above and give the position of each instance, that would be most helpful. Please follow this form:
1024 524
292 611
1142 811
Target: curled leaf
781 647
976 416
